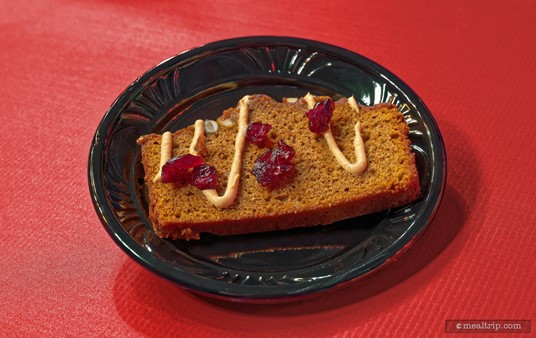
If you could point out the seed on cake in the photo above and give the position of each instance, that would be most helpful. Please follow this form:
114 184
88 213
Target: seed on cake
211 126
227 123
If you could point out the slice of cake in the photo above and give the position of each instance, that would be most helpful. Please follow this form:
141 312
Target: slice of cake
267 165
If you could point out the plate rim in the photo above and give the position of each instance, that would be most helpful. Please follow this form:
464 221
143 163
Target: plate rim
226 291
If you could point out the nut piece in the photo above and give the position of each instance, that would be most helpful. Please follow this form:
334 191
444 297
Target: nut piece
211 126
227 123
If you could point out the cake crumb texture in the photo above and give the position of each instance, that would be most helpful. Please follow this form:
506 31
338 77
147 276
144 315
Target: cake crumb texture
321 192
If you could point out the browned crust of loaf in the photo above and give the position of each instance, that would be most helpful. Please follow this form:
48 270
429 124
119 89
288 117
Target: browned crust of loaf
311 217
314 215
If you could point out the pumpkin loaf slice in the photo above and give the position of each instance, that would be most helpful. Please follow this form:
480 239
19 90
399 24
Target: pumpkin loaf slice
267 165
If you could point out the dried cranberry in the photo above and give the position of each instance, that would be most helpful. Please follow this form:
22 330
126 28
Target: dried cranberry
256 133
177 168
320 116
284 152
273 168
204 176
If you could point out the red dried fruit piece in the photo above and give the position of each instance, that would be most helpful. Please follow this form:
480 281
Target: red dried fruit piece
177 168
204 176
273 168
284 152
256 133
320 116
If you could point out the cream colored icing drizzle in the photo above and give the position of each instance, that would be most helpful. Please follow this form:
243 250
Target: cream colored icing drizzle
361 158
234 176
165 153
198 131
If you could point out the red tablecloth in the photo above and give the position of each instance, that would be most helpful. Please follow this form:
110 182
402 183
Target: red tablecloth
62 64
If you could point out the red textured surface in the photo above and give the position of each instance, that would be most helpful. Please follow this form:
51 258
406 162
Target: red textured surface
62 64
